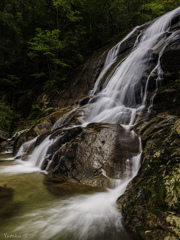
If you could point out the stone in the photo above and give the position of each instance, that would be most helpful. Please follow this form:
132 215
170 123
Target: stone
155 191
94 155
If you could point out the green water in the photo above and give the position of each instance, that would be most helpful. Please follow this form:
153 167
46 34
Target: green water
29 195
35 213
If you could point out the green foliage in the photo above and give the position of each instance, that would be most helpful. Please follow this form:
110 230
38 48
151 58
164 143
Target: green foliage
46 47
8 118
68 7
46 43
156 8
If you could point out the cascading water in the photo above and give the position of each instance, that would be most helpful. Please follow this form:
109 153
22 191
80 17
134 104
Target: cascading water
124 94
83 217
34 161
95 216
39 153
110 60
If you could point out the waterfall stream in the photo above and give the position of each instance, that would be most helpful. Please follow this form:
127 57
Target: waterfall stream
95 216
124 95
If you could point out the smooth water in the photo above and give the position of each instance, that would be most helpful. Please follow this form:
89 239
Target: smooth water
30 194
36 213
124 95
110 60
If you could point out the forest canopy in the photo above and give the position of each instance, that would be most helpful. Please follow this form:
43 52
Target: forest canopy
42 41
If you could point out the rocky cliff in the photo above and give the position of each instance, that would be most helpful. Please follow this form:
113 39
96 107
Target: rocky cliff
151 203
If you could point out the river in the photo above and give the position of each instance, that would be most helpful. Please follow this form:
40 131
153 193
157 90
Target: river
36 213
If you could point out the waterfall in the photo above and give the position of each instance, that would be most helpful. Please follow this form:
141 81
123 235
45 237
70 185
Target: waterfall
39 153
25 147
95 216
110 60
124 95
83 217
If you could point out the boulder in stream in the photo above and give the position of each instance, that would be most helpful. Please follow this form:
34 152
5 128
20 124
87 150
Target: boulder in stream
94 155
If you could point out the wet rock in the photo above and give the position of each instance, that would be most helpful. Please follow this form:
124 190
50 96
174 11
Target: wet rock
56 187
151 203
5 143
94 155
21 137
47 123
5 146
43 127
81 80
167 98
39 129
171 65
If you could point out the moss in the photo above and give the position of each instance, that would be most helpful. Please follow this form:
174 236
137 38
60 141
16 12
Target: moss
174 226
173 188
134 197
170 238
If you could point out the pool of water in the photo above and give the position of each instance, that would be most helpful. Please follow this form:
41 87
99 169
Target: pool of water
29 194
36 213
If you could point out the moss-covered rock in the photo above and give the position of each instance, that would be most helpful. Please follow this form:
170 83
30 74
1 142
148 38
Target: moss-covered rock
151 203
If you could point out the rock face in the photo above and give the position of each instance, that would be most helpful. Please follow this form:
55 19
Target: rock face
151 203
93 155
41 128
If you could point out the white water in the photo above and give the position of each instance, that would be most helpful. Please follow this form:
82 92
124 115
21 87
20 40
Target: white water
81 217
33 162
110 60
39 153
87 217
117 102
24 147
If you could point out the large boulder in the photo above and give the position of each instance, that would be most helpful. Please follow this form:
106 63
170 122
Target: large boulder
150 205
92 156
